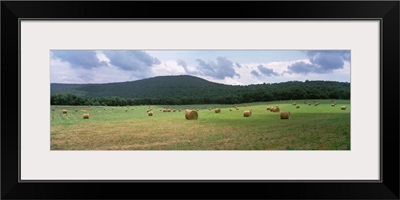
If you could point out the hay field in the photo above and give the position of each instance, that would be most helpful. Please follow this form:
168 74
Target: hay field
310 127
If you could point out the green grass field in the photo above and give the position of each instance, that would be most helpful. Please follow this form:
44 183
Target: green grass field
310 127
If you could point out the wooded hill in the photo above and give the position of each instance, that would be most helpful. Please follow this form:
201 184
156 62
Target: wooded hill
184 89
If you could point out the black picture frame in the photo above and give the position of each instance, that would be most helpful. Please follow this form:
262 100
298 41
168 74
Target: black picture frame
386 11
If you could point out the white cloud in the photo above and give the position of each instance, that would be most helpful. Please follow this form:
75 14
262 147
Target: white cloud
168 67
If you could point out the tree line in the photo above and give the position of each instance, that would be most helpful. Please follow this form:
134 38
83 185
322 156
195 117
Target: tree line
242 94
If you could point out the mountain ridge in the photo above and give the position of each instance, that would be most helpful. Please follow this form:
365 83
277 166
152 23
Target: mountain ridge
185 86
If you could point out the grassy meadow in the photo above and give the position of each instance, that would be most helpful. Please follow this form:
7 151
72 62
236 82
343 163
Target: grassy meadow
310 127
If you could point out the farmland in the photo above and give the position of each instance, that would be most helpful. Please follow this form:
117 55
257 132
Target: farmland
310 127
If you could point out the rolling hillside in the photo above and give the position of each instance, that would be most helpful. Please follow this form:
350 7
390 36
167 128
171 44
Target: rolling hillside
190 89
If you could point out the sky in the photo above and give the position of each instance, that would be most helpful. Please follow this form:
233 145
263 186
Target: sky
232 67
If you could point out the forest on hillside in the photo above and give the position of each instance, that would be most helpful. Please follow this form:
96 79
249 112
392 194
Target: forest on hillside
188 90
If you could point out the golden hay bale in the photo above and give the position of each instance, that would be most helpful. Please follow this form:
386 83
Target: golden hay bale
191 115
269 108
285 115
275 109
316 104
150 113
343 108
217 110
309 104
237 108
168 110
179 110
149 110
173 110
165 110
333 105
294 103
297 106
247 113
230 109
85 116
76 110
126 110
209 109
64 111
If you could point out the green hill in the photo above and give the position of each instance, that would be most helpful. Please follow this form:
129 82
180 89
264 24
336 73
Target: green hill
189 89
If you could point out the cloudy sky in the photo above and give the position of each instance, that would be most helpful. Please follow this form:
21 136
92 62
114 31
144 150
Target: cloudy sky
222 66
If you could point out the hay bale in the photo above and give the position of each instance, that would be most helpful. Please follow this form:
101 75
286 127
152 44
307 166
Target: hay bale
179 110
285 115
269 108
85 116
209 109
247 113
275 109
173 110
64 111
52 109
126 110
217 110
343 108
168 110
165 110
297 106
294 103
230 109
150 113
191 115
309 104
76 110
333 105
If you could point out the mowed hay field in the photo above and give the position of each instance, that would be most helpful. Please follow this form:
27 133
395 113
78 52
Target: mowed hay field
310 127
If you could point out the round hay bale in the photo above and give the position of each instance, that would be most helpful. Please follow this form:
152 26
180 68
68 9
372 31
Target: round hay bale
168 110
285 115
179 110
191 115
294 103
333 105
217 110
230 109
86 116
126 110
76 110
150 113
173 110
297 106
209 109
275 109
247 113
269 108
343 108
316 104
309 104
53 109
165 110
64 111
